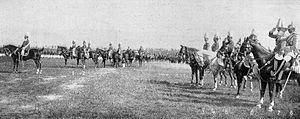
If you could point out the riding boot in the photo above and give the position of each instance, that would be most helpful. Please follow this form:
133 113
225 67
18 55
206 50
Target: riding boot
278 69
273 74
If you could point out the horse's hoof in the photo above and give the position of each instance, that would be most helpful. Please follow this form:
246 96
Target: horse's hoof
238 96
270 109
214 89
258 105
251 90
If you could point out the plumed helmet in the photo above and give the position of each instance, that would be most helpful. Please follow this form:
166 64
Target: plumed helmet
228 33
73 42
27 34
291 26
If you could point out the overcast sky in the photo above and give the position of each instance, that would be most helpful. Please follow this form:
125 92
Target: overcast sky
150 23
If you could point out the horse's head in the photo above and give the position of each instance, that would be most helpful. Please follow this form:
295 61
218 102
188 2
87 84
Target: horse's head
182 50
245 47
251 44
9 49
61 49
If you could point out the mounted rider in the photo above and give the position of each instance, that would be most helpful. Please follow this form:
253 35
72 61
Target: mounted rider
25 45
285 48
73 49
119 49
206 45
89 48
141 51
229 44
110 50
215 46
86 49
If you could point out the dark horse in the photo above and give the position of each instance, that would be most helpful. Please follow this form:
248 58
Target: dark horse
140 57
80 54
103 54
243 68
196 62
15 53
66 53
128 57
226 53
116 57
265 61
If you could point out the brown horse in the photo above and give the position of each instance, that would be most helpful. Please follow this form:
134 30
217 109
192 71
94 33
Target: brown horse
15 53
80 55
265 61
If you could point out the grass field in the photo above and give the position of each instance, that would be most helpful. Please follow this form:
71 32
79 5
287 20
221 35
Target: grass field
155 90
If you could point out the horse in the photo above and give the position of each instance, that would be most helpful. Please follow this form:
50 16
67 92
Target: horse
94 55
226 53
82 55
243 68
62 50
103 54
265 61
140 57
128 57
15 53
116 58
199 61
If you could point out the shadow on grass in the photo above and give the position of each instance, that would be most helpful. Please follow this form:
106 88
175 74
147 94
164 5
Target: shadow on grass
195 94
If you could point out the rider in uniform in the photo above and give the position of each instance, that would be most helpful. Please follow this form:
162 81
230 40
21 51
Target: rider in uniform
119 48
206 45
285 48
279 48
25 45
141 50
73 48
215 46
110 47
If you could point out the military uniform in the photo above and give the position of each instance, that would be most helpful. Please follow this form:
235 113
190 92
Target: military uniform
206 45
215 46
25 45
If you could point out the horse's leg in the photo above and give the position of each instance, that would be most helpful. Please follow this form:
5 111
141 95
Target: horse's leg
262 93
37 66
17 66
83 63
232 79
192 74
271 94
215 76
251 85
14 65
103 63
196 75
225 77
221 78
66 60
239 84
278 88
77 61
201 75
245 82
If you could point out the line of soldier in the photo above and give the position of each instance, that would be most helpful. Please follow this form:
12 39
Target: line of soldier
285 49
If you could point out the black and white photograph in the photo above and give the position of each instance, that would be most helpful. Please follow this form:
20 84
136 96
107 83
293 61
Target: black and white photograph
149 59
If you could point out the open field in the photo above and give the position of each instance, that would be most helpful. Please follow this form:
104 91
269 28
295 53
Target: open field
156 90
